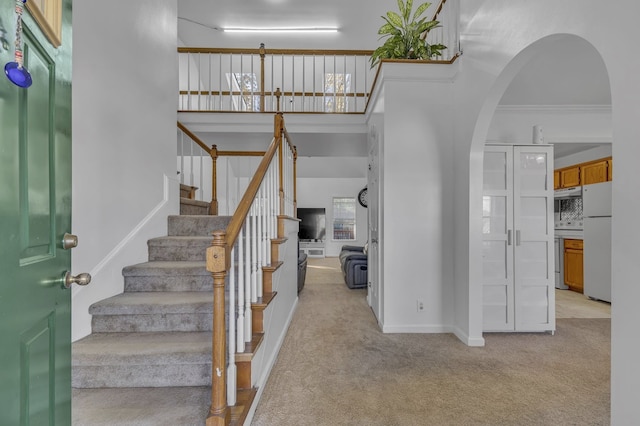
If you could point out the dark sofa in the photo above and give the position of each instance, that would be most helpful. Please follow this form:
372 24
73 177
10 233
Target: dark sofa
353 261
302 269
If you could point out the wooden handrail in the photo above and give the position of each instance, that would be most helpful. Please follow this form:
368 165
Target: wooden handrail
310 94
438 10
194 138
233 229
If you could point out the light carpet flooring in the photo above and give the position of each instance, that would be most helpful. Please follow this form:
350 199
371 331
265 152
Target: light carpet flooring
336 368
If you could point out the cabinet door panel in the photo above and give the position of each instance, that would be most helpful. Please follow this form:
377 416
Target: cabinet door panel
570 177
533 253
594 173
497 236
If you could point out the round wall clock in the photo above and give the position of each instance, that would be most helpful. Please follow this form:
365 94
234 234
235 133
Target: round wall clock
362 197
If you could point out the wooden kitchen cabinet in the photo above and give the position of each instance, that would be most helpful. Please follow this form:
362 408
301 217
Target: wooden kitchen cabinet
570 177
556 179
594 172
574 265
609 169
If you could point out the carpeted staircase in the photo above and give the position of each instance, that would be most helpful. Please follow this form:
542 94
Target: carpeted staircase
157 334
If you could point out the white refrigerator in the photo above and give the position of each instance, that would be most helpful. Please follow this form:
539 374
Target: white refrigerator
596 212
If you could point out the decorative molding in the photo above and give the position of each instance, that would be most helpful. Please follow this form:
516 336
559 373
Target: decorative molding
131 235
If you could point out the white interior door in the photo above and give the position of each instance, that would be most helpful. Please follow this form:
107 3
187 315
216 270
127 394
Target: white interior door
373 194
497 239
534 232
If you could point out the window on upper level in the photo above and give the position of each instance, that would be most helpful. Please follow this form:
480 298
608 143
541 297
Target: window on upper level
246 95
335 87
344 218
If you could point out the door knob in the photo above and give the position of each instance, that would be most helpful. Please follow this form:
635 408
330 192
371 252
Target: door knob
80 279
69 241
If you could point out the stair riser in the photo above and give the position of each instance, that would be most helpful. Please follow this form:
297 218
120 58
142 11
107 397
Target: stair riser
179 251
187 209
196 225
154 322
128 375
168 283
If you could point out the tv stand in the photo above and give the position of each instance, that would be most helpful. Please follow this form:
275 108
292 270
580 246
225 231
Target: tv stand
312 248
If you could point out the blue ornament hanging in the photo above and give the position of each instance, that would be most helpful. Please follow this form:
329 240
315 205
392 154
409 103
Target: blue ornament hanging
15 71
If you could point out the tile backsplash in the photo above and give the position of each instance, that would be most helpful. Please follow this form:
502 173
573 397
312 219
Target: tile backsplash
571 209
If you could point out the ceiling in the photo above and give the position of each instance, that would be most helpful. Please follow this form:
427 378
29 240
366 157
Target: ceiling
553 78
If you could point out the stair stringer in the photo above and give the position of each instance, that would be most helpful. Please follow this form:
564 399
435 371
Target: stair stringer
278 315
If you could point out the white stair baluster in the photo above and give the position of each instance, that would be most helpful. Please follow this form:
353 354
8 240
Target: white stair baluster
254 254
259 243
240 329
248 315
231 368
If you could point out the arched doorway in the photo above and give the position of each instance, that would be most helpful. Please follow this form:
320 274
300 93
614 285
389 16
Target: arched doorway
561 73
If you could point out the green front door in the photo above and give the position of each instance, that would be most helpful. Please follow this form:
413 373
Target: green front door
35 212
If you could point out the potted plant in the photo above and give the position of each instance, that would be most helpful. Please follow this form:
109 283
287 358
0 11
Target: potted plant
407 35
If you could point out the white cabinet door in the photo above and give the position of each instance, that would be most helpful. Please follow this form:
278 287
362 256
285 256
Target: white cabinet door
497 239
518 268
534 288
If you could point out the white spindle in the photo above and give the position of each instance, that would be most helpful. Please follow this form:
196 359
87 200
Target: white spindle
181 157
241 302
199 80
254 254
188 81
259 243
231 368
248 315
220 80
191 182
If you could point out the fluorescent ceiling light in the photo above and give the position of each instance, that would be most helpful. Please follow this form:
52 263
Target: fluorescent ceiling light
280 30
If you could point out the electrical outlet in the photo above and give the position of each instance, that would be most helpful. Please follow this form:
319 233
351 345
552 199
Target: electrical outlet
419 305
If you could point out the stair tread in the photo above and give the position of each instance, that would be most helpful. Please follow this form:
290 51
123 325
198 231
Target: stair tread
167 267
180 238
136 406
155 302
145 348
185 200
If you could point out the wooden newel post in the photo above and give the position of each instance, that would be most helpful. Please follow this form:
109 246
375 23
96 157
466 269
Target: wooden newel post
278 135
262 55
213 207
278 94
219 414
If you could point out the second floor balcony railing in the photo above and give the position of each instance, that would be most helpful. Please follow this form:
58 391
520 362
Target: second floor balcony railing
292 80
251 80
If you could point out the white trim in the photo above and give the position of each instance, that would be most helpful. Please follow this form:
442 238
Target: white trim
464 337
130 236
262 381
411 328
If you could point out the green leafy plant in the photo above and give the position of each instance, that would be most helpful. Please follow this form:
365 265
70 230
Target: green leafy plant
406 35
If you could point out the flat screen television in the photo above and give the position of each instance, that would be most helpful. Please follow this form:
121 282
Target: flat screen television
312 224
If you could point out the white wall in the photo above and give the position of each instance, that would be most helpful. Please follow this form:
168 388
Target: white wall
584 156
493 39
319 192
514 124
417 197
124 139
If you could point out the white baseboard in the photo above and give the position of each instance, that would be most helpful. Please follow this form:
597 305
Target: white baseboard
262 381
412 328
464 337
434 329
